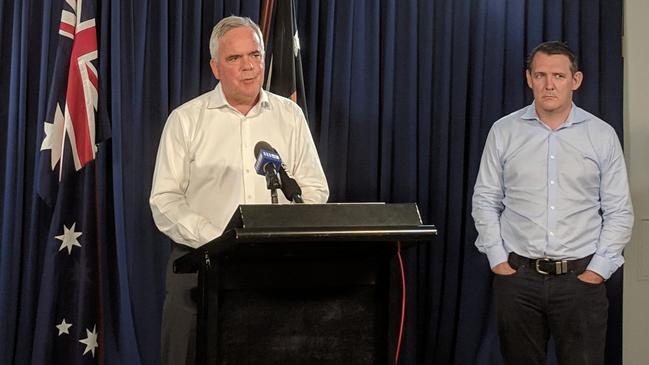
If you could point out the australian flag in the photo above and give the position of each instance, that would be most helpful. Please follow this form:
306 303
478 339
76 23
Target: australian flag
69 323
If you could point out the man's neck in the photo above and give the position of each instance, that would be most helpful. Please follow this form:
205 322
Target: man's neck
244 107
554 119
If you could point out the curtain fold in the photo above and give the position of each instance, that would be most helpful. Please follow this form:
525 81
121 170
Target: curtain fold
401 96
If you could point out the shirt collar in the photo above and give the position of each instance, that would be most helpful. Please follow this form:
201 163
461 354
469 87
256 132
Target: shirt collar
217 99
577 115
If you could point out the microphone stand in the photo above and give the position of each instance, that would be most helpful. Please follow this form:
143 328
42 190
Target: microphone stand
273 196
272 182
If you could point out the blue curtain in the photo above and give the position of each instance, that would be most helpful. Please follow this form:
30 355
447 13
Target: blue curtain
401 96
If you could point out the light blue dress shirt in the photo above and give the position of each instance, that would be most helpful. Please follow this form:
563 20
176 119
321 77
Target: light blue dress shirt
560 194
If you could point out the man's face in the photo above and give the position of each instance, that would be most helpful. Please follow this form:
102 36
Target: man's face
240 66
552 82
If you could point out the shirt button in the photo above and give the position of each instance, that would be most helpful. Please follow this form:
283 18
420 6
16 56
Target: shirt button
250 197
551 233
248 171
552 207
552 157
552 182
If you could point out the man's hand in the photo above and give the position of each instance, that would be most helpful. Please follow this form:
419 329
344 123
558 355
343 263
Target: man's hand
590 277
503 268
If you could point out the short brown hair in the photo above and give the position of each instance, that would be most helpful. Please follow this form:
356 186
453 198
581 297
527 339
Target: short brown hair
554 48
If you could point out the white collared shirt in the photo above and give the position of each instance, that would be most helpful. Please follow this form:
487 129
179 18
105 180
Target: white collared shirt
205 163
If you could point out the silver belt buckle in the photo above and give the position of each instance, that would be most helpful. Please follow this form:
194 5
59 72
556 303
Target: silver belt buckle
561 267
538 269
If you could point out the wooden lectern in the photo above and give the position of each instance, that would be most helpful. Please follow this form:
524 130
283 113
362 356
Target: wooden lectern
303 284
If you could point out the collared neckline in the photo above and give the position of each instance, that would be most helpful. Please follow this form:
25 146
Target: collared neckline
577 115
217 99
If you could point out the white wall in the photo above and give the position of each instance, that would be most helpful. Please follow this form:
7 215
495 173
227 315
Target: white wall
636 137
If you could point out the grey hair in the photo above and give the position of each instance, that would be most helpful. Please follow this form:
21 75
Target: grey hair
227 24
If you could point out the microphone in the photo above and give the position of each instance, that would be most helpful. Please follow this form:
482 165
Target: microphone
267 158
289 186
267 164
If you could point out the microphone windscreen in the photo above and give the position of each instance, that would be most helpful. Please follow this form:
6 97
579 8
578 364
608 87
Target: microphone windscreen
263 145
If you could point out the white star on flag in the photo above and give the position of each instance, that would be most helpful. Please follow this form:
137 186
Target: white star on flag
90 341
296 44
63 327
54 136
69 238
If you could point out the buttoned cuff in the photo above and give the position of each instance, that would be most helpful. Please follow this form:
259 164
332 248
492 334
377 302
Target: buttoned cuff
603 266
496 254
208 232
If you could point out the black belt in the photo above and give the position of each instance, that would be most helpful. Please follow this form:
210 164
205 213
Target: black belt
548 266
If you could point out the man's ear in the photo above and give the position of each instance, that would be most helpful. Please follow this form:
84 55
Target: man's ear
528 76
216 70
577 78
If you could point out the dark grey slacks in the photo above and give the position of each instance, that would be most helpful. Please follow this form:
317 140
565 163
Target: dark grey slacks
531 307
178 329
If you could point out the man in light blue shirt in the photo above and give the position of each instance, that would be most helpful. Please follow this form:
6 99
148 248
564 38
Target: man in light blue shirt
553 212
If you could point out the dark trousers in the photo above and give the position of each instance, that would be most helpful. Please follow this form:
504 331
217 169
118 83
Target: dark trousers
531 307
178 328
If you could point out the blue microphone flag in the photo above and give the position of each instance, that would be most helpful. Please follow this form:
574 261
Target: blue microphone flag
266 157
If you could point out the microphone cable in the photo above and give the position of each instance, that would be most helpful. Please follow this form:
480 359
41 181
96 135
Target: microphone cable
403 303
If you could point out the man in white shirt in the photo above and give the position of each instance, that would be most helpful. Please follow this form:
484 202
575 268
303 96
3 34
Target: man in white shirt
205 165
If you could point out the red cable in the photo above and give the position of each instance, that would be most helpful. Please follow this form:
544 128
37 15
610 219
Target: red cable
403 302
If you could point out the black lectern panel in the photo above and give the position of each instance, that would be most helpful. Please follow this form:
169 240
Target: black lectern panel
303 312
342 215
300 284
